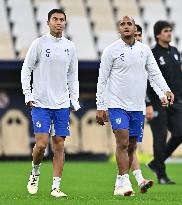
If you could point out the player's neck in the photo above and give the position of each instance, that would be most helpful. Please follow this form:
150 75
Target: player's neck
56 35
129 41
163 44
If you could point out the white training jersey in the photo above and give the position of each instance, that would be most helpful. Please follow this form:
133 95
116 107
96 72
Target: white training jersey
123 74
54 64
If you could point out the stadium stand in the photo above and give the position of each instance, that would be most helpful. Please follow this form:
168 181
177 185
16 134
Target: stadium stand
147 9
42 7
72 144
98 18
91 25
23 25
1 146
15 134
6 46
95 138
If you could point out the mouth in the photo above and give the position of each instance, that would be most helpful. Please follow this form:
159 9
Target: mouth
58 27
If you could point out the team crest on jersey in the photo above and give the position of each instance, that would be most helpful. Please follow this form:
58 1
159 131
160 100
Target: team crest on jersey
162 61
48 51
118 121
38 124
122 56
176 57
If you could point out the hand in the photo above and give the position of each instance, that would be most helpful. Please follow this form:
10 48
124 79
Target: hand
101 117
164 101
107 117
170 97
75 106
149 112
30 104
74 110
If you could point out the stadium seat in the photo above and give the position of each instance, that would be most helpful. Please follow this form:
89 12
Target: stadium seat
96 15
150 8
175 18
94 137
6 46
123 8
15 134
72 143
106 38
73 8
43 7
82 38
111 139
1 146
24 27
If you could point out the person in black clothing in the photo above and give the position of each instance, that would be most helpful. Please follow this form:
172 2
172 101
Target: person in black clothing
168 59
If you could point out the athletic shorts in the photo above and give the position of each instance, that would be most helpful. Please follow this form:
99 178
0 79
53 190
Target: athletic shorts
133 121
43 117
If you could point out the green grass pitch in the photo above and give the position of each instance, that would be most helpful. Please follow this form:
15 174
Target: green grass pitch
85 183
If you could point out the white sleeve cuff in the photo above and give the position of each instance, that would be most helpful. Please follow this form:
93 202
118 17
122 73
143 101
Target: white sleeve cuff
29 97
75 105
102 108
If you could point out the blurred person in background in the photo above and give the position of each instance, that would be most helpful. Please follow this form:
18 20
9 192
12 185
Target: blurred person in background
170 118
124 69
53 62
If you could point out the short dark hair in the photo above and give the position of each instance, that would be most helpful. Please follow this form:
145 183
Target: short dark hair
159 26
56 11
139 28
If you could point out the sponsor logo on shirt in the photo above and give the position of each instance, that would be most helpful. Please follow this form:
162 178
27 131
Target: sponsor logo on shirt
118 121
122 56
162 61
48 51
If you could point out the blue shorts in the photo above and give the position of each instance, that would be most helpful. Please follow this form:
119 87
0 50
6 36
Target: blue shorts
43 117
133 121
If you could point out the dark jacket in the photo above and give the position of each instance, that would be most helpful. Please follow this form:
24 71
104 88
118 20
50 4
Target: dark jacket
169 62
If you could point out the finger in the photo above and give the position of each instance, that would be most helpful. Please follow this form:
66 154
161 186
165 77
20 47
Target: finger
29 104
100 121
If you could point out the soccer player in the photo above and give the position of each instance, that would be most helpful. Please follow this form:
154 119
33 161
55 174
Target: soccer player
53 62
169 62
125 67
143 183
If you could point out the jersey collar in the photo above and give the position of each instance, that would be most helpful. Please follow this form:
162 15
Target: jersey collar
54 38
125 44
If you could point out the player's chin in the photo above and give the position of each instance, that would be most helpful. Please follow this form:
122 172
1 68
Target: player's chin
58 31
127 35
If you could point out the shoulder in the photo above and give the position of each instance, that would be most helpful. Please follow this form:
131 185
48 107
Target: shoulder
174 49
143 46
40 40
68 42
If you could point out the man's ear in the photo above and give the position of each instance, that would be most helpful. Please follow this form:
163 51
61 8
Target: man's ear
157 36
135 29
